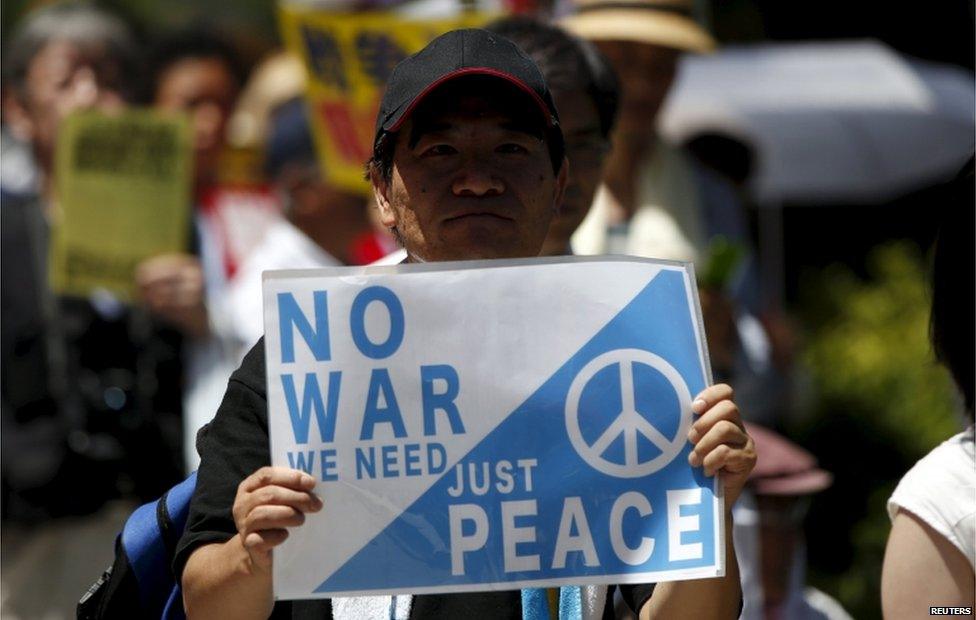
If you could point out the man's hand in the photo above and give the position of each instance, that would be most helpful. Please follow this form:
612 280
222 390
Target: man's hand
268 501
172 286
721 442
233 579
721 446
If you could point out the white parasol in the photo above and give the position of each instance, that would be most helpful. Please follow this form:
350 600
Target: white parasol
850 122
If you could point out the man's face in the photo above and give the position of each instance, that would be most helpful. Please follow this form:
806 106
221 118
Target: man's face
61 78
206 89
646 73
586 149
469 183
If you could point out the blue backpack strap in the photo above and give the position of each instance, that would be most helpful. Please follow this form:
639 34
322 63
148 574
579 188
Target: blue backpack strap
177 504
174 605
178 509
149 539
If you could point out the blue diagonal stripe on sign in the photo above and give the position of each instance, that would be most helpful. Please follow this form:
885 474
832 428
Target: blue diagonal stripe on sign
414 551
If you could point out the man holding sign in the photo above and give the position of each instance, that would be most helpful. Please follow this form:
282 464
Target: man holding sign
468 163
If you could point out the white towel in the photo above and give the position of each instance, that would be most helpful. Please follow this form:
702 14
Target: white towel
372 607
594 598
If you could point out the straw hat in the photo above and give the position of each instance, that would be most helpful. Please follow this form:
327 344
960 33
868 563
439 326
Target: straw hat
668 23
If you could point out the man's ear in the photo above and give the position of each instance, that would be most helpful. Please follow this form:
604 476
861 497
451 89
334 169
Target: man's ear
562 179
381 192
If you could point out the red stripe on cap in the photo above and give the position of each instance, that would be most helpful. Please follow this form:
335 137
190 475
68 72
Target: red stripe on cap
546 113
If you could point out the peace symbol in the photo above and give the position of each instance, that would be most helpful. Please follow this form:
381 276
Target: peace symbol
629 423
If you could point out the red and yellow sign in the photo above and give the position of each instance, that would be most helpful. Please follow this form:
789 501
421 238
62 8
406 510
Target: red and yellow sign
349 58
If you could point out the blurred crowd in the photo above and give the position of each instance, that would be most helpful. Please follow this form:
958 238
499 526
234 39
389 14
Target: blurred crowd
102 398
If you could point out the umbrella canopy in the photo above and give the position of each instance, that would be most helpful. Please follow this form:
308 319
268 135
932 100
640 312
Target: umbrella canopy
829 122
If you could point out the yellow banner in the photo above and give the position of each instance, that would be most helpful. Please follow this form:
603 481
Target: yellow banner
123 195
349 57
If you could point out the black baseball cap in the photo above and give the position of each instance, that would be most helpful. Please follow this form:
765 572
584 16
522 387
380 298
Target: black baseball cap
457 54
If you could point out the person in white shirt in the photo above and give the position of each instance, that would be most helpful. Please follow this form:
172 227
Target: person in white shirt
930 560
319 226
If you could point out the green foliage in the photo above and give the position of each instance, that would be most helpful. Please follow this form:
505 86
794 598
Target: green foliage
881 403
872 352
724 257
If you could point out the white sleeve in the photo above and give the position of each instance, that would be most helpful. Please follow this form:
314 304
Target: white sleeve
941 491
